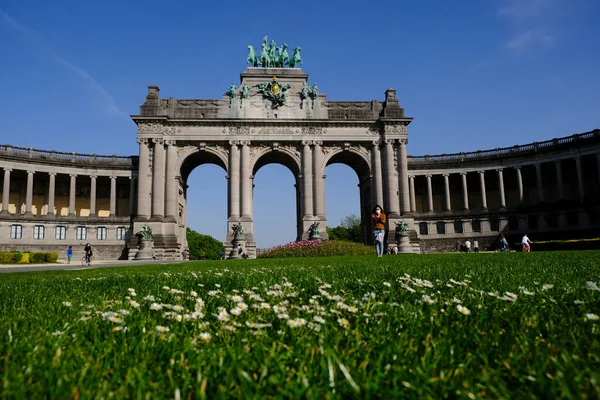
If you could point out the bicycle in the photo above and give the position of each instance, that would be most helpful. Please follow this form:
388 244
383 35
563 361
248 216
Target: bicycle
86 259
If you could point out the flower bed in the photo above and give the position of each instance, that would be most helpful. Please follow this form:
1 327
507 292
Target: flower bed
317 248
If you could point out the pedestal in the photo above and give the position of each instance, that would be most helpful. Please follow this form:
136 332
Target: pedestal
235 252
146 251
404 245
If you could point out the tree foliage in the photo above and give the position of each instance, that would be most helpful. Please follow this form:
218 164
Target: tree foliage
203 244
349 229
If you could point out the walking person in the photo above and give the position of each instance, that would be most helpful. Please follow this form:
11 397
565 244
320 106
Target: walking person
526 244
475 246
88 254
69 254
467 246
379 219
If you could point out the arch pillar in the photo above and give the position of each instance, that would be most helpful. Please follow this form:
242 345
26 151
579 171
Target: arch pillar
377 174
144 179
392 195
158 179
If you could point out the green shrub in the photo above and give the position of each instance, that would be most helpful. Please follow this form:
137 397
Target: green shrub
6 257
37 258
51 257
17 256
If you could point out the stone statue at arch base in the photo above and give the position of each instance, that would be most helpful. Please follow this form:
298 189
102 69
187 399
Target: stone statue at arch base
146 244
401 234
238 245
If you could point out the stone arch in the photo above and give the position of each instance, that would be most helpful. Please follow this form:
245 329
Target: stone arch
281 155
192 157
356 159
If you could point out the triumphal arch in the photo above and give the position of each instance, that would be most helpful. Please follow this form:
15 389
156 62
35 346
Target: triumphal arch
275 115
51 199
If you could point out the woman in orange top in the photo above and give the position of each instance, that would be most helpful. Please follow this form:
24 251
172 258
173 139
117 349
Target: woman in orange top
379 220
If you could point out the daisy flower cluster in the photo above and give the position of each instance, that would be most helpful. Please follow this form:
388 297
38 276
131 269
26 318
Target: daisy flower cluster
207 311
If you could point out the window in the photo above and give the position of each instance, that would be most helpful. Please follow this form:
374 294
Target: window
16 231
81 233
440 227
495 224
423 228
458 227
101 233
121 232
532 221
476 225
60 232
38 232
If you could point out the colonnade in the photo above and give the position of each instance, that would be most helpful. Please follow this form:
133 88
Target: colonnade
51 192
581 190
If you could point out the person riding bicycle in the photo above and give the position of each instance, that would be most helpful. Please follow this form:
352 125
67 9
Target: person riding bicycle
88 252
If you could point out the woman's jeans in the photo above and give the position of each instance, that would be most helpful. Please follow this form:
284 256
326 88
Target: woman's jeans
379 243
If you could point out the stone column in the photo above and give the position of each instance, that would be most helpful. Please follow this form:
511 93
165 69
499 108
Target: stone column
93 195
72 194
172 193
598 165
405 197
429 193
158 179
6 191
559 180
318 189
392 181
234 180
447 192
113 196
519 184
377 178
501 188
483 195
29 193
51 193
132 194
143 192
580 184
540 187
465 190
307 180
246 180
413 202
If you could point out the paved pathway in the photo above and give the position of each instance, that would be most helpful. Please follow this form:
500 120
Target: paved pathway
62 266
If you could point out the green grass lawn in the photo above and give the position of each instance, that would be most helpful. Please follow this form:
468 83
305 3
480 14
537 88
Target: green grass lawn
413 326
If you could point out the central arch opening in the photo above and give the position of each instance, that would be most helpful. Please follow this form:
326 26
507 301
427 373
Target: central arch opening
276 209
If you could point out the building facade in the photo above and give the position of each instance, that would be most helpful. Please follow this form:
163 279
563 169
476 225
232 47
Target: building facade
51 199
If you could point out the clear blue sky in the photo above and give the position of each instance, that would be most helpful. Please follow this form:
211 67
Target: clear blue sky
474 75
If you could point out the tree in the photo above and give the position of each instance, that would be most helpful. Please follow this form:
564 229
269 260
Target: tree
349 229
203 244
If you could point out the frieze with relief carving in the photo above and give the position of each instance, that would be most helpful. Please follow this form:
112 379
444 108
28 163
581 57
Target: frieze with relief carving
239 130
394 129
274 130
313 130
